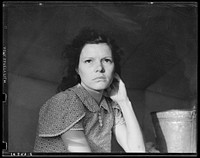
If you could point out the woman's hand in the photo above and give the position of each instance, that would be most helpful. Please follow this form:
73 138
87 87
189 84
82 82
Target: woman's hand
117 90
129 134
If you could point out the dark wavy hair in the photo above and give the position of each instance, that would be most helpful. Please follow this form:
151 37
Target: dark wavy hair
73 50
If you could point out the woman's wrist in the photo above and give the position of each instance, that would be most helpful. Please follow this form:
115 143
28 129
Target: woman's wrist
124 101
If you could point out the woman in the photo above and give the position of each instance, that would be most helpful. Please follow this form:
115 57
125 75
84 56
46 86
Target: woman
92 102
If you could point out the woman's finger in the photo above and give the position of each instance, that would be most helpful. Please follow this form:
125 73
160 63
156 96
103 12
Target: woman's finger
117 76
119 79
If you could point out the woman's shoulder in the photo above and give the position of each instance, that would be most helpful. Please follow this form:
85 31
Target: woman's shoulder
68 93
59 113
63 100
63 96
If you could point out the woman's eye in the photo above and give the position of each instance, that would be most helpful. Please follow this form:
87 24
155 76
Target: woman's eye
88 61
108 60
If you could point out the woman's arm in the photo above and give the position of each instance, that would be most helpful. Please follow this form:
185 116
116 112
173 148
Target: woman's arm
128 135
75 141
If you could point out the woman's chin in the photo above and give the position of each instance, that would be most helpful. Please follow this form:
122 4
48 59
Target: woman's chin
100 86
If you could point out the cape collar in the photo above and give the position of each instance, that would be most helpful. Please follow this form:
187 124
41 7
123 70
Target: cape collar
88 100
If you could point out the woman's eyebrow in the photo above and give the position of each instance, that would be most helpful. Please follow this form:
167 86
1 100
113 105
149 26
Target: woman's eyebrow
91 57
87 57
108 57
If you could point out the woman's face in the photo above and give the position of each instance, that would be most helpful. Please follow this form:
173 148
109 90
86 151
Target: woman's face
96 66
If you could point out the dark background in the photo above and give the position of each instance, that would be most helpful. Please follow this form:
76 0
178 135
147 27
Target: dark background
159 66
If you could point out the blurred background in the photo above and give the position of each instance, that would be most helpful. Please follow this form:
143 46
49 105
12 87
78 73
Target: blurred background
159 66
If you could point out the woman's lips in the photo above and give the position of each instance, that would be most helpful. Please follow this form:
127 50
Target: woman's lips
100 78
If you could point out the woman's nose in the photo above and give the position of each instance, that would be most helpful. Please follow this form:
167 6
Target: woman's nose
100 67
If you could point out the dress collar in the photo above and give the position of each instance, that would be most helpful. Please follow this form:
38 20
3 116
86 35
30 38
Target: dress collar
95 94
88 98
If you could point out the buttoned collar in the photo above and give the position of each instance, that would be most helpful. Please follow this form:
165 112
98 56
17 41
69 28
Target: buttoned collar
88 100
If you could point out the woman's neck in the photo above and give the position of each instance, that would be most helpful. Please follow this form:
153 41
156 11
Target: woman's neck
97 95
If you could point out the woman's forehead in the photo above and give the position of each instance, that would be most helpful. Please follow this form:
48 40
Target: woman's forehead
101 49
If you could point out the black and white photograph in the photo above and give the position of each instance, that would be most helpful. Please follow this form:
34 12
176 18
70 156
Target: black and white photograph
83 78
